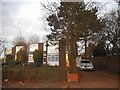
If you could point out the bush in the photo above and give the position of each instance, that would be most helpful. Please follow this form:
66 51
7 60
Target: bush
9 60
38 58
32 73
9 57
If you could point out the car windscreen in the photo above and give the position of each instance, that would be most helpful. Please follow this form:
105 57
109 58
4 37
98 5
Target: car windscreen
85 61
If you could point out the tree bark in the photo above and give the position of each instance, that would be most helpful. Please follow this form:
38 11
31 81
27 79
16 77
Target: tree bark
46 53
85 48
72 54
62 53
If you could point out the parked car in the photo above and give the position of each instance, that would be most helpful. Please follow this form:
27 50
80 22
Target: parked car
86 64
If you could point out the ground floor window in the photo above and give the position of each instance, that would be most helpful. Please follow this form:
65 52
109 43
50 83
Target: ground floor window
53 59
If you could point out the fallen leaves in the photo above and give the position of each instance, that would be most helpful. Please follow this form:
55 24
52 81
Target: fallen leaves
7 80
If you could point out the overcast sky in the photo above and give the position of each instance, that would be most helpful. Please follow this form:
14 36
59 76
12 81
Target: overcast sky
27 17
22 18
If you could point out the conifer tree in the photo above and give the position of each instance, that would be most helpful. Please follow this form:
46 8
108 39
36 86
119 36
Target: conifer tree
74 22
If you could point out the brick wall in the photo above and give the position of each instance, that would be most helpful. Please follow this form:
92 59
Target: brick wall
40 47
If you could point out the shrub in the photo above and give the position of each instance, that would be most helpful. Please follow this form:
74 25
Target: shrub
9 60
9 57
32 73
38 57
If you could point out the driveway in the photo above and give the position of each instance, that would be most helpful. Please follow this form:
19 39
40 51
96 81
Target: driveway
98 79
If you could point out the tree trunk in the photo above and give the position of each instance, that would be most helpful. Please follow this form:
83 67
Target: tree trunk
46 53
73 46
62 52
85 48
72 54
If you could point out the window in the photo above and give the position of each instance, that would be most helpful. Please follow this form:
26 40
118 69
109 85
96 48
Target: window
52 58
44 59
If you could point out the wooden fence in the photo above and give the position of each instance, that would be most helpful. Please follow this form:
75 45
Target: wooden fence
111 63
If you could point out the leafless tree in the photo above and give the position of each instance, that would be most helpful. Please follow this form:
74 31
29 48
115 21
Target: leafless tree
2 45
19 40
51 8
22 40
32 39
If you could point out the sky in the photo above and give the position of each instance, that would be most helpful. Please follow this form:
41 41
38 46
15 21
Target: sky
24 18
27 17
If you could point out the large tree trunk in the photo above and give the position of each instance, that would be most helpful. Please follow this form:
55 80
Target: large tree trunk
62 52
73 45
72 54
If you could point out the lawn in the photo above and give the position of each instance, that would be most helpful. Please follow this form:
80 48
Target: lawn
18 73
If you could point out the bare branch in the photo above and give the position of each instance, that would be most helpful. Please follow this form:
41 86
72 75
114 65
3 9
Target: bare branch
2 45
32 39
50 7
21 40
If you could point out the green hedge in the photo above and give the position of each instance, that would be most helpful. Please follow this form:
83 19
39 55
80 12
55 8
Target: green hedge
32 73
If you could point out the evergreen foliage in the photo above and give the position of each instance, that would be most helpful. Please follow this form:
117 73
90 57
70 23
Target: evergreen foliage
74 22
38 57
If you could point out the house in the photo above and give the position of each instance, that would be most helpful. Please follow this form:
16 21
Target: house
55 55
52 52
